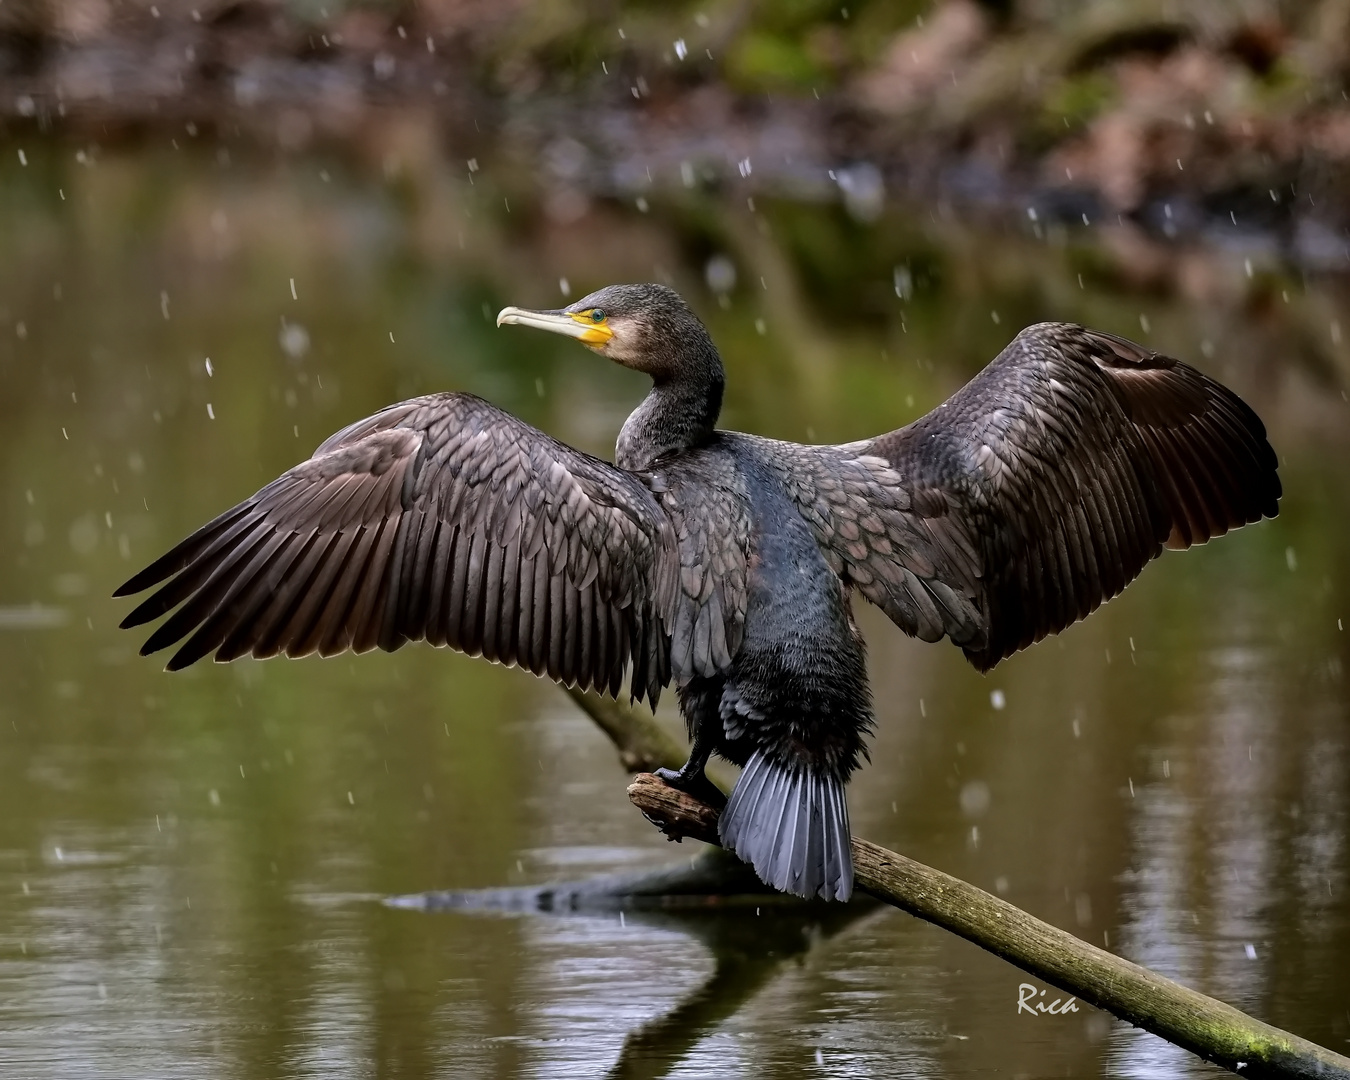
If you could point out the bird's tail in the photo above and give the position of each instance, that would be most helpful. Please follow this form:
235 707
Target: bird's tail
791 825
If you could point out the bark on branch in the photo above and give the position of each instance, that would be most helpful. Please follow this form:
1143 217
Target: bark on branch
1203 1025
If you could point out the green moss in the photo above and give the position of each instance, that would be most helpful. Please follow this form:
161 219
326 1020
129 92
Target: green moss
763 61
1079 99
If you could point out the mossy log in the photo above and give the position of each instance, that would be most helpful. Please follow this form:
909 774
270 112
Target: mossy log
1203 1025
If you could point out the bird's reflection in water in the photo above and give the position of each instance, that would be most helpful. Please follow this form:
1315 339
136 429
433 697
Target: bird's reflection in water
715 899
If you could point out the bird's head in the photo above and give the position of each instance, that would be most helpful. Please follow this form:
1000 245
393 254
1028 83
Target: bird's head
645 327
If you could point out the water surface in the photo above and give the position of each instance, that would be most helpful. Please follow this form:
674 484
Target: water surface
191 866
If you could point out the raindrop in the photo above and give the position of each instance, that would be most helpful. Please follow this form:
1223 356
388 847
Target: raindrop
351 799
994 315
214 796
1031 212
720 274
210 412
681 49
84 535
642 205
293 296
1143 323
904 282
1247 266
997 700
864 191
975 798
1335 332
1000 884
23 160
1250 949
293 339
820 1058
761 328
210 371
1291 558
564 286
686 174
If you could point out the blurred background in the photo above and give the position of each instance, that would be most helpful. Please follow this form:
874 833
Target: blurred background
229 228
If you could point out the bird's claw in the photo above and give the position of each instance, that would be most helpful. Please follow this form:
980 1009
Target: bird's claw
696 784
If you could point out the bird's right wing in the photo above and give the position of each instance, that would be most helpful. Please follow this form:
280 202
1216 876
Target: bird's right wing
442 518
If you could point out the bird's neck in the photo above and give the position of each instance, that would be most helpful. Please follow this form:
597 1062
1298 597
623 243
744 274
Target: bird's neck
679 413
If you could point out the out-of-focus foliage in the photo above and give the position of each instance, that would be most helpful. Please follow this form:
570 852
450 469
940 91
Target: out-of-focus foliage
1110 107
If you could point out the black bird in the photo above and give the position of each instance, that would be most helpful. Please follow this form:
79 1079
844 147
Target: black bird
724 561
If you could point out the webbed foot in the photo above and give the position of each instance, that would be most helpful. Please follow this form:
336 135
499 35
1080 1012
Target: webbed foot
694 781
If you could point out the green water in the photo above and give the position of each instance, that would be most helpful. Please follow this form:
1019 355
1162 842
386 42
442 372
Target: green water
191 866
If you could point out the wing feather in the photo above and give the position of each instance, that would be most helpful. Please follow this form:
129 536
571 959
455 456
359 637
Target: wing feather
1064 468
441 519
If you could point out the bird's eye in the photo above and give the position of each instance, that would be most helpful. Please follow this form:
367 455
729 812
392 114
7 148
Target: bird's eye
597 315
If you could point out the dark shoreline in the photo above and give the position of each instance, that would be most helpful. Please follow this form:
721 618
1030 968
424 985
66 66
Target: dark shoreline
1274 184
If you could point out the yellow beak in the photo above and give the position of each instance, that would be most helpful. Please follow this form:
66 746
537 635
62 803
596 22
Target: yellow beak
578 326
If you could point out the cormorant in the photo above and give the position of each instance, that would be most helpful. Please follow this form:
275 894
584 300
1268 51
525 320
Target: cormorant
724 561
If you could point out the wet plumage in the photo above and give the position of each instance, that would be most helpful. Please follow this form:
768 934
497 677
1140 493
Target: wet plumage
725 562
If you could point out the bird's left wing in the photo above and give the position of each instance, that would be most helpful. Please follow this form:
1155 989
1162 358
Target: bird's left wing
442 518
1038 490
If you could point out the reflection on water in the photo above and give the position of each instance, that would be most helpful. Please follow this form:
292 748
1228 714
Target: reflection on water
190 866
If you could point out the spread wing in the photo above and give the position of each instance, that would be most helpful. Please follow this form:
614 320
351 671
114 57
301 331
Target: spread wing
441 519
1041 489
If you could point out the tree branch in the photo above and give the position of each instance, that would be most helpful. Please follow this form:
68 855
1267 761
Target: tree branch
1203 1025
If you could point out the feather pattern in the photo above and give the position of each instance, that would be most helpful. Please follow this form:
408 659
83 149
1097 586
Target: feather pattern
441 518
791 824
1037 491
